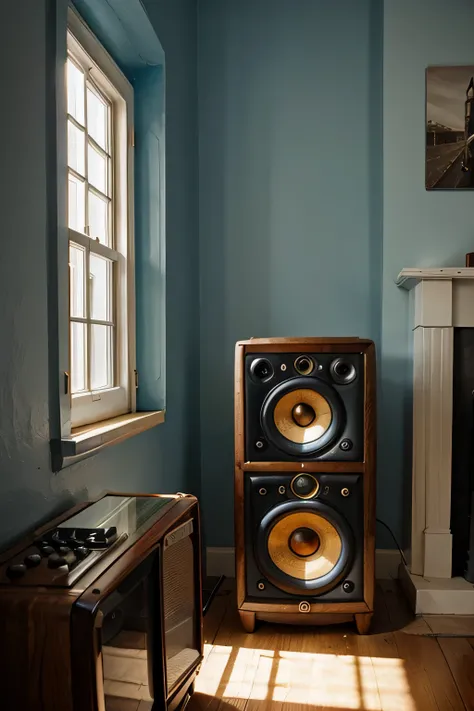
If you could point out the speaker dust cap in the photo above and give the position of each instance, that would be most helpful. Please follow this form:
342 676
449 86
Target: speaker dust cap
304 547
302 415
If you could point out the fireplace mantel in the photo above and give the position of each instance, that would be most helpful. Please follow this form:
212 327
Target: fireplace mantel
408 278
443 299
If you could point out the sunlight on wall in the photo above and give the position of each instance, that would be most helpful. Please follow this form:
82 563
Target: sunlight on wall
322 680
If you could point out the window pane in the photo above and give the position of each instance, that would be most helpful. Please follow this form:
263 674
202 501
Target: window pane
100 282
97 169
75 92
78 357
101 357
76 280
97 115
76 203
98 218
75 148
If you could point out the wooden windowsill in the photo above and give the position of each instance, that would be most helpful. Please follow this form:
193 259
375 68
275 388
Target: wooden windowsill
87 440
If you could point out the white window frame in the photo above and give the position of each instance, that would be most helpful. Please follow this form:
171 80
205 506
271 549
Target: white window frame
92 407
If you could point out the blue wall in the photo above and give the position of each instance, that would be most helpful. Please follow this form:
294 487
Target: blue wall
290 193
420 228
167 457
303 226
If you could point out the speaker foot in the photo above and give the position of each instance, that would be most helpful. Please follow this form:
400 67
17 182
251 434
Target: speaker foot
248 620
363 620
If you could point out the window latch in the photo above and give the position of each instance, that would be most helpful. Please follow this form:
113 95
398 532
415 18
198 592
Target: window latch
136 378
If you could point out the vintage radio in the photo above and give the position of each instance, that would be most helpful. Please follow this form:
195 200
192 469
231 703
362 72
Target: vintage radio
101 610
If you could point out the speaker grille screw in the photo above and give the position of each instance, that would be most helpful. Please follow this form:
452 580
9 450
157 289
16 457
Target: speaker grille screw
262 491
281 489
259 444
345 491
304 606
261 586
283 366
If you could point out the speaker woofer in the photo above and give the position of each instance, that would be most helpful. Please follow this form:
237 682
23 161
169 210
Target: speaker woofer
304 547
301 416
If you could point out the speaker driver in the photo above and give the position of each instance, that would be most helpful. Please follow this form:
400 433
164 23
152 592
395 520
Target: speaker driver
304 365
302 415
342 372
304 547
261 370
304 486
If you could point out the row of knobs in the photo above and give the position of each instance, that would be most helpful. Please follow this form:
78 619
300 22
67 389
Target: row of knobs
62 555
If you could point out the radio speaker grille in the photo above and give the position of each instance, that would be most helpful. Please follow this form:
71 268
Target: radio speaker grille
179 613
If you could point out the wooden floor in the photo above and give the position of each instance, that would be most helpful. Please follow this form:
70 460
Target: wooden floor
279 668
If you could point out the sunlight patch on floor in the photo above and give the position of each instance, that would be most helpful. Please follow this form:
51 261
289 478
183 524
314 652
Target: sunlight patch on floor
305 678
212 669
250 674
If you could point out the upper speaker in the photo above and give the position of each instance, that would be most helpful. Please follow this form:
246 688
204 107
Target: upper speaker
307 406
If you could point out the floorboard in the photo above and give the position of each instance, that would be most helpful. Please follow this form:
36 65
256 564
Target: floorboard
286 668
459 655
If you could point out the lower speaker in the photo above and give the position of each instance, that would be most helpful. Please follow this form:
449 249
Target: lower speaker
304 556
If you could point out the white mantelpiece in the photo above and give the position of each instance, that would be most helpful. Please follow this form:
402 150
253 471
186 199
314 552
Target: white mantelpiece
443 299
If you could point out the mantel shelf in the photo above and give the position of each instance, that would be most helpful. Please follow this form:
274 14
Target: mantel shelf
409 278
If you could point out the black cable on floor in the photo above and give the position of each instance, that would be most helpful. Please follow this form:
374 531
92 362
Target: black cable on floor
212 595
394 539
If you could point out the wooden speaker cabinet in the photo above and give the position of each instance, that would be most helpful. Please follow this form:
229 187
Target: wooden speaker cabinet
101 609
305 480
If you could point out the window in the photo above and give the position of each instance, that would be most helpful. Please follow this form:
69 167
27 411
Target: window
100 223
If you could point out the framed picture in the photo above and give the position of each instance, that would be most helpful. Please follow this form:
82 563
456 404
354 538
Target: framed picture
449 128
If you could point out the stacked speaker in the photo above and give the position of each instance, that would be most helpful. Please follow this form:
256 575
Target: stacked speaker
305 480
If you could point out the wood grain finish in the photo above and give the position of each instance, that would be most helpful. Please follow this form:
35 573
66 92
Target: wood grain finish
271 467
248 620
363 622
361 611
315 608
369 475
51 657
295 343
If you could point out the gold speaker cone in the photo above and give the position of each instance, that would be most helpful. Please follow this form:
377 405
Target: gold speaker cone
300 404
303 414
307 567
304 542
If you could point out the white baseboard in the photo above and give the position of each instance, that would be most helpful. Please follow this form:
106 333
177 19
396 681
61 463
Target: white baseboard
221 561
437 596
